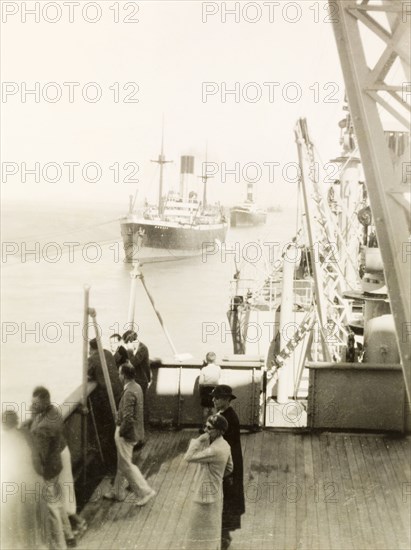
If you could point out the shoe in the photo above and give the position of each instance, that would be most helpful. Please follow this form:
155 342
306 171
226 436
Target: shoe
80 528
111 496
145 499
226 541
71 543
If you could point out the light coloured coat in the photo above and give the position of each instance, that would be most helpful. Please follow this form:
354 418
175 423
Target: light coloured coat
216 462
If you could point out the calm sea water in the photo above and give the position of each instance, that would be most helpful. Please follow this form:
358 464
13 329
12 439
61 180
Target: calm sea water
42 292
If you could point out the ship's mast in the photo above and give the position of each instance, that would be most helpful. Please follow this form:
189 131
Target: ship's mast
204 178
161 161
250 191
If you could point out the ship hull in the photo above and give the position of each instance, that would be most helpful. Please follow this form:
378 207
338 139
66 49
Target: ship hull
146 239
243 217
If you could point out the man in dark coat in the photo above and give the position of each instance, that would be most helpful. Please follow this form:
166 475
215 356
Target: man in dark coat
100 400
233 487
138 357
118 350
95 372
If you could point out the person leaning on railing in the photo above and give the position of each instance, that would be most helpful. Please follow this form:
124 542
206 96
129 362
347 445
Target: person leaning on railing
100 402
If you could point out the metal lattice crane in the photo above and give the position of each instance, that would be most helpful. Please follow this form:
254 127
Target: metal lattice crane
327 267
377 91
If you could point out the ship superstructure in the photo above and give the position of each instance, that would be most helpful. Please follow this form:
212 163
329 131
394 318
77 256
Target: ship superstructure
178 225
248 213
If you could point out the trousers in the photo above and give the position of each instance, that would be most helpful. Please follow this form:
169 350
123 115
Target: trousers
127 471
59 524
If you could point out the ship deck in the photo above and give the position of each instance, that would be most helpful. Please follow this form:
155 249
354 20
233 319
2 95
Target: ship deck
303 491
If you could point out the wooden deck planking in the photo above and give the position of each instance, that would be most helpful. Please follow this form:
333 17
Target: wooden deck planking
125 510
125 534
292 495
330 493
404 446
392 488
173 521
368 474
280 488
381 520
169 458
247 445
251 460
364 513
373 503
269 501
347 503
105 526
99 516
316 493
309 534
301 505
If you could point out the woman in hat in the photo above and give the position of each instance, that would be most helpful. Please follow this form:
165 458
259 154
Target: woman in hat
212 454
233 486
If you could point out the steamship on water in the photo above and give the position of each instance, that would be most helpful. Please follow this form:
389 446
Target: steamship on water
178 225
334 473
248 213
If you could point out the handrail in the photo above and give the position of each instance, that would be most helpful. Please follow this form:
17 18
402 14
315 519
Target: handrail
354 366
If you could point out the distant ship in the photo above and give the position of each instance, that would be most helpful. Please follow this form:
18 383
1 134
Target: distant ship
275 208
248 213
179 226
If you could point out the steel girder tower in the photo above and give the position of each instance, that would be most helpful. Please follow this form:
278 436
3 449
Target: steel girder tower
375 91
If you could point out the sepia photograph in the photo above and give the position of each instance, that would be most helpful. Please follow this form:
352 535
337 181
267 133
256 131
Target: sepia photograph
205 274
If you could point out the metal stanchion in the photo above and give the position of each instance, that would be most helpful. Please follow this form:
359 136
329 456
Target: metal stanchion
84 410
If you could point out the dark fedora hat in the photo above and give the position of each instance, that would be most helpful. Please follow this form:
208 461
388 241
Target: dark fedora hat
223 391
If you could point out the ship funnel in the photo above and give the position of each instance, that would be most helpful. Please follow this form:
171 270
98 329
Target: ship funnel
250 191
186 174
187 164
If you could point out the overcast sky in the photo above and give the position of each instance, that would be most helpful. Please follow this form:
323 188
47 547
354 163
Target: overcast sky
178 57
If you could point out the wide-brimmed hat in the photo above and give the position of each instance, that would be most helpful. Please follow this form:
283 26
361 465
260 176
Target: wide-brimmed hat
223 390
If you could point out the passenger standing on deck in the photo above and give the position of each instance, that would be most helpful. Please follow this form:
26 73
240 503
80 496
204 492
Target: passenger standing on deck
213 456
95 372
23 510
66 481
46 431
139 358
209 379
100 401
118 350
78 524
129 431
233 487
